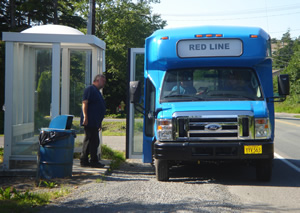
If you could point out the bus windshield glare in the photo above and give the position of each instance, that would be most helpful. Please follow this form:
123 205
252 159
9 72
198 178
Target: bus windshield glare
210 84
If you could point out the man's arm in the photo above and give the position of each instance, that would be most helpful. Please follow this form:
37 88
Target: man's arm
84 111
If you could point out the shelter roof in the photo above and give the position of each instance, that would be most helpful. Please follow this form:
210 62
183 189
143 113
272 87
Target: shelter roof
53 29
46 35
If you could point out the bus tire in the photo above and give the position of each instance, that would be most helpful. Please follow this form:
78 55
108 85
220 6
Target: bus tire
264 170
161 170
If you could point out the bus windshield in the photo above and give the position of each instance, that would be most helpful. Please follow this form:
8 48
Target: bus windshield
210 84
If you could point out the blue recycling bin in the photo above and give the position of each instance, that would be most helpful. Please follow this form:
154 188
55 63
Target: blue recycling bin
55 158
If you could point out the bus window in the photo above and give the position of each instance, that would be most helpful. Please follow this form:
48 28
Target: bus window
210 84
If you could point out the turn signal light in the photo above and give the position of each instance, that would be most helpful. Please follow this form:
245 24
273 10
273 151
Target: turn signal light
261 121
253 36
164 38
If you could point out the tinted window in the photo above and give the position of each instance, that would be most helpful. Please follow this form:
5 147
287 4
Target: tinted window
210 84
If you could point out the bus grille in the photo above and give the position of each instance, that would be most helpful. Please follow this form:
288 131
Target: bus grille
221 128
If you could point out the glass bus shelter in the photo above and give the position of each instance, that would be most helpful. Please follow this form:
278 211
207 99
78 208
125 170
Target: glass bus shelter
46 70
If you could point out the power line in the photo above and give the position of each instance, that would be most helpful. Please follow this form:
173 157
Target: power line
229 19
240 12
291 30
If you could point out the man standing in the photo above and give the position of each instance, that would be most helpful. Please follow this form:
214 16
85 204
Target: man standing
93 110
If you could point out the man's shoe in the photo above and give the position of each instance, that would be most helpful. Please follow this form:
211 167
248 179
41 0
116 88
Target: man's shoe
97 165
85 164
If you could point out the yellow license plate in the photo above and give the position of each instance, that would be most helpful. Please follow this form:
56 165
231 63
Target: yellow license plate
253 149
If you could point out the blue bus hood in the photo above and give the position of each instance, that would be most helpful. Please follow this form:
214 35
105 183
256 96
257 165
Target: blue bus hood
259 108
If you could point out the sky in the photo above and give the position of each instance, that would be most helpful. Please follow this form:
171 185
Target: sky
276 17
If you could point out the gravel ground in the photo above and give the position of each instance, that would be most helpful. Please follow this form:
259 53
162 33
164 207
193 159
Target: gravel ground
134 188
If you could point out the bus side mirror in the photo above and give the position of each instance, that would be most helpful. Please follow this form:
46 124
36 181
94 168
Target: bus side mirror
283 85
135 92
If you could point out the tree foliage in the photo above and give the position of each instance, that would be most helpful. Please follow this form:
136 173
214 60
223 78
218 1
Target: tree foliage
122 24
22 14
287 59
293 69
284 51
127 26
44 93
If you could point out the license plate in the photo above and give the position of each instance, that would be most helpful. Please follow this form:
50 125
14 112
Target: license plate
253 149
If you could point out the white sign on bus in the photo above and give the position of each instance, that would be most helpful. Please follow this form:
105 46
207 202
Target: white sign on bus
209 48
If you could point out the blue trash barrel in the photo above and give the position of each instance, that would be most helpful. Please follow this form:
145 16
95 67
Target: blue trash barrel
56 153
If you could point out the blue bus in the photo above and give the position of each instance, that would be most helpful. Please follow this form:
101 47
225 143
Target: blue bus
208 96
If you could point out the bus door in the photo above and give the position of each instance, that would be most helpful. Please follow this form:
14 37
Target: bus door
134 119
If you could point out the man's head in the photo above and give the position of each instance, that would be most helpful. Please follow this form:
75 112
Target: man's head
99 81
186 81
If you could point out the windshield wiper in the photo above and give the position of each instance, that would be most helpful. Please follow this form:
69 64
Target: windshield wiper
183 95
177 95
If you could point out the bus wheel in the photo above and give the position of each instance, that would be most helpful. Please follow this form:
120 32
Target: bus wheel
264 169
161 170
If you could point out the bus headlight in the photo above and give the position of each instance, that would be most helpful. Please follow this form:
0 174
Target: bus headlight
164 129
262 128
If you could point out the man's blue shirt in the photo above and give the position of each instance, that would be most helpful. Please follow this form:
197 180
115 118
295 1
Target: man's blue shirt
96 107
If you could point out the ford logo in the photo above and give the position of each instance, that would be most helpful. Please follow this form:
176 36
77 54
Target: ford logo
213 127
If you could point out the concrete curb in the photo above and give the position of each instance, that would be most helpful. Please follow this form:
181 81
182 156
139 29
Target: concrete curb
77 169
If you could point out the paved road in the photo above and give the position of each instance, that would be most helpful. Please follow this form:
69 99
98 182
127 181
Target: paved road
287 140
283 192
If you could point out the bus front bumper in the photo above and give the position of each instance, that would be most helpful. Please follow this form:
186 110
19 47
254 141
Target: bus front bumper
189 151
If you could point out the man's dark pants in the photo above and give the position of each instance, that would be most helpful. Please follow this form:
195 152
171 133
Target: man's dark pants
90 145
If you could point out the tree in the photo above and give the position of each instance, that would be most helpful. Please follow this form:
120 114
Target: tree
293 69
44 93
123 25
22 14
120 23
287 57
284 51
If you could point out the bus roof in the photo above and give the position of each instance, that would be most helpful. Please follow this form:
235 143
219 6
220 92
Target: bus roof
206 46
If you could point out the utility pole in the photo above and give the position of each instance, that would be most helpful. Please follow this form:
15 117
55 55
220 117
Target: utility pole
12 5
91 18
55 18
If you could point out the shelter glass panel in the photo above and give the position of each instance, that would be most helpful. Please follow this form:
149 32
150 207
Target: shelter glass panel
30 106
80 69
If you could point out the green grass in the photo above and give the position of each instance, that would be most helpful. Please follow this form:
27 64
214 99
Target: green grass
12 200
116 115
1 155
101 179
290 105
116 157
48 184
287 107
113 128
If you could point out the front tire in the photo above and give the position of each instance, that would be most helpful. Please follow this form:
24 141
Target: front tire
161 170
264 169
